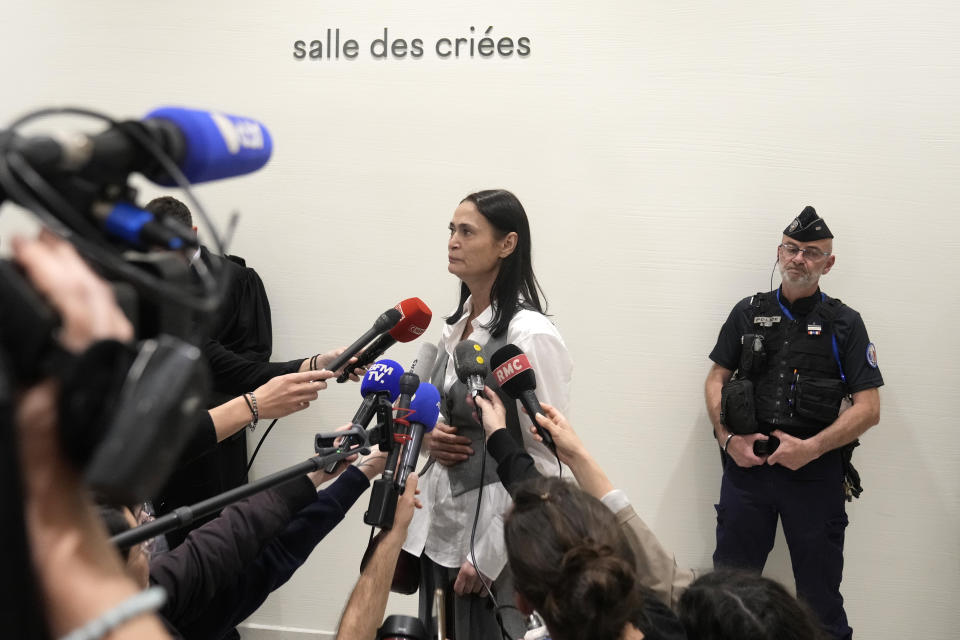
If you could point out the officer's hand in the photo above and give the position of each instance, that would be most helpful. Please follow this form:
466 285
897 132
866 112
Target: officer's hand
792 453
446 446
740 448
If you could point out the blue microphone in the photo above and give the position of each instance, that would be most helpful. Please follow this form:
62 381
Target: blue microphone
205 146
380 384
212 145
424 411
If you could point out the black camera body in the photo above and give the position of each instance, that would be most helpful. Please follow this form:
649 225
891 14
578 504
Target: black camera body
126 410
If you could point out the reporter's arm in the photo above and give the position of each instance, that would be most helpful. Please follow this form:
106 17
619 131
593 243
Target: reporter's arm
277 398
368 601
76 567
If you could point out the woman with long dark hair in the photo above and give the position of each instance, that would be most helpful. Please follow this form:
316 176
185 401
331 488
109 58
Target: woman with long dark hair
500 302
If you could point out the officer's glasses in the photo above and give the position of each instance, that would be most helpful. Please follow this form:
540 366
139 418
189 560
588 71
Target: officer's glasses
809 253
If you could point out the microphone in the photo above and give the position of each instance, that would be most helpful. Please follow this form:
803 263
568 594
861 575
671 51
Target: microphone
381 382
409 382
425 409
426 358
387 320
415 319
513 373
470 365
205 146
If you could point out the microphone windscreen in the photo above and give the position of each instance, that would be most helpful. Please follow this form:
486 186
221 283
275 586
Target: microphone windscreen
468 360
218 145
512 370
425 361
416 319
425 406
383 375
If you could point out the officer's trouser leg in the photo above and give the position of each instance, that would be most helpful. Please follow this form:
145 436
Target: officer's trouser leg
746 518
814 520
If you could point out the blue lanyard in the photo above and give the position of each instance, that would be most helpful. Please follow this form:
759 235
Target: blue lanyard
833 337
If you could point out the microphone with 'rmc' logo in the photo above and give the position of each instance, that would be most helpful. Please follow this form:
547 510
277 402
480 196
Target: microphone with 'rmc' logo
513 373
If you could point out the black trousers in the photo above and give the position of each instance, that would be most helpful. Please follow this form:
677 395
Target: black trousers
810 502
469 617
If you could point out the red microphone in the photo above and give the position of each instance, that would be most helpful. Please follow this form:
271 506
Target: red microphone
416 316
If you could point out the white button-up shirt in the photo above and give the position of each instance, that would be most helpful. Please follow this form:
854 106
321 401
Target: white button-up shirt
443 526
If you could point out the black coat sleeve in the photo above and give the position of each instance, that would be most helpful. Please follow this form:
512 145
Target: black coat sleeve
214 556
514 464
234 375
280 558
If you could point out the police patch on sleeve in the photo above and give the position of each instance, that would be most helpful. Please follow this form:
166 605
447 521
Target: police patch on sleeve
872 355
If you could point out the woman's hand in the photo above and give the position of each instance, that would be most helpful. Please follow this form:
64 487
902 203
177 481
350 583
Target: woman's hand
282 395
569 447
322 360
572 453
468 580
446 446
320 476
492 411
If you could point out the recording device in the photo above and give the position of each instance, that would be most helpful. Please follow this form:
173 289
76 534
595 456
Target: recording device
424 410
423 364
387 489
125 410
423 418
380 387
409 382
384 322
471 366
415 319
513 373
398 627
204 145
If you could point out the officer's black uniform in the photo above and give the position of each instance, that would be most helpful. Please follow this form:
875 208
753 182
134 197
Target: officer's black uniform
810 354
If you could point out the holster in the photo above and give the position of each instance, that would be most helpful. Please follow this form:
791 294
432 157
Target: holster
737 409
851 478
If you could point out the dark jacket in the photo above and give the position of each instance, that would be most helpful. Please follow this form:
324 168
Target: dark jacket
224 570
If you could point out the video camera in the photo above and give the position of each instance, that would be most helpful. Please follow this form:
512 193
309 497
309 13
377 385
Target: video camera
126 410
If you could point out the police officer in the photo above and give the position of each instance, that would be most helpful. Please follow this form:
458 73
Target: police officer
784 363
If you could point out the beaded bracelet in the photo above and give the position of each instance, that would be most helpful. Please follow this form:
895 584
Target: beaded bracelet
137 604
252 404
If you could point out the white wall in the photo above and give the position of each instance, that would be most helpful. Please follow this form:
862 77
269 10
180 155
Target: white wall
659 149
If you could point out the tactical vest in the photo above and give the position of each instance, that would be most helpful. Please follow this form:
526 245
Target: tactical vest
798 381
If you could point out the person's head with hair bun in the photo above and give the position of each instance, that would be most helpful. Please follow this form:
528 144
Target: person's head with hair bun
571 562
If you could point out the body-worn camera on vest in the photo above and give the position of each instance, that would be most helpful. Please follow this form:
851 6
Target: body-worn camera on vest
753 355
